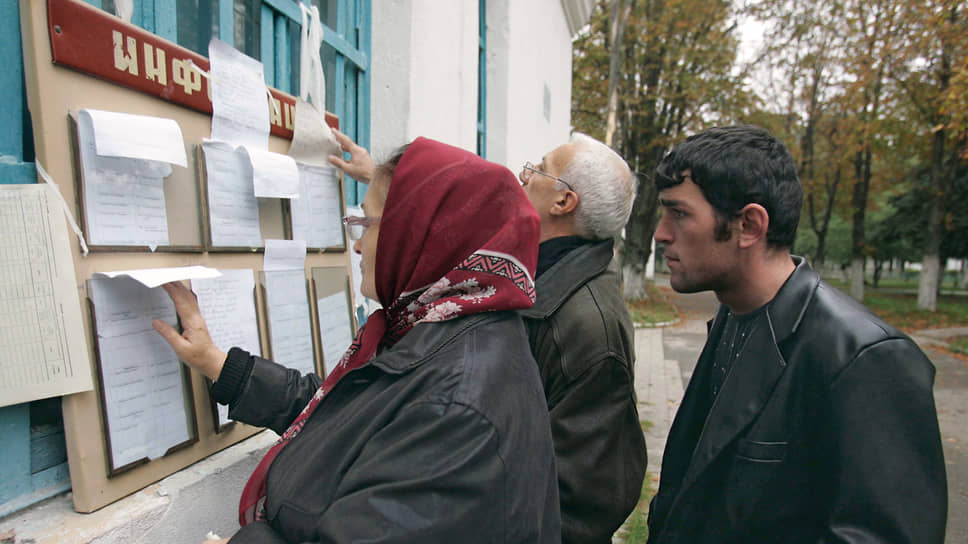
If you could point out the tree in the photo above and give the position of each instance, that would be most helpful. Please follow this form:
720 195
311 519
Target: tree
938 44
676 74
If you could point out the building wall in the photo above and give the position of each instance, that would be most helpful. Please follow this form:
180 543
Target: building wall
389 76
424 78
529 61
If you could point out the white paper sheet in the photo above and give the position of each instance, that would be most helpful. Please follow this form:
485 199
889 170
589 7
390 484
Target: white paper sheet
335 328
290 330
284 255
124 198
233 210
317 215
240 106
312 139
227 304
274 175
41 329
153 277
142 378
136 136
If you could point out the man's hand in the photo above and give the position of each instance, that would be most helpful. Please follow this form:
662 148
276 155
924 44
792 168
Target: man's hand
360 165
194 345
223 541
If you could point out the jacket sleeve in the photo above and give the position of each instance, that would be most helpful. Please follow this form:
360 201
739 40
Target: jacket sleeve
262 393
887 467
600 450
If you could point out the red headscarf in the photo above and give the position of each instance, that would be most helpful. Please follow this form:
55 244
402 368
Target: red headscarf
457 237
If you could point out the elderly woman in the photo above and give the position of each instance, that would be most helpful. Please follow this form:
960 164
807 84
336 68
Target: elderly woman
433 427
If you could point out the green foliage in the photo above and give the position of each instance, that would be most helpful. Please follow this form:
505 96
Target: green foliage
677 59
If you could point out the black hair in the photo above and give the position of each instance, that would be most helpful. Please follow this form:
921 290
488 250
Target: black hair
735 166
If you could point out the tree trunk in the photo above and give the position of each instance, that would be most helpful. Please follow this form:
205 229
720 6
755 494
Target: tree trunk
634 282
638 239
857 278
928 286
964 274
615 52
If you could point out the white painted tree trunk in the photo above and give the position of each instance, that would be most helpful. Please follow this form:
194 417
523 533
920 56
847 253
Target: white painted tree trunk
634 277
928 286
857 278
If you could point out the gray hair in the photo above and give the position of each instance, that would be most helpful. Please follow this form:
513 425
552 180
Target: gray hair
605 185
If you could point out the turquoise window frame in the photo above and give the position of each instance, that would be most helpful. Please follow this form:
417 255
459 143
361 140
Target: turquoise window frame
33 463
482 79
30 466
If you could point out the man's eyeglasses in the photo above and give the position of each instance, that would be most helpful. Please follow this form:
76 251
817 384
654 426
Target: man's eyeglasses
530 170
355 226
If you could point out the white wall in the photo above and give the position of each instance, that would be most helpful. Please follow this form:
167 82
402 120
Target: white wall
529 50
424 76
390 76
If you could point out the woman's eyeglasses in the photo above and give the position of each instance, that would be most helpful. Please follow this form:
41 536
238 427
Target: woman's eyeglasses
356 226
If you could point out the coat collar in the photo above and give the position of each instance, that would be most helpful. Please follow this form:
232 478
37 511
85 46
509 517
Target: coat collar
754 374
572 271
425 340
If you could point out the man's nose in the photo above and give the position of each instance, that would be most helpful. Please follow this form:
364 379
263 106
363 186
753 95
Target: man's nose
662 232
358 247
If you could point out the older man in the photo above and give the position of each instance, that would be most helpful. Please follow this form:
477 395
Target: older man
580 331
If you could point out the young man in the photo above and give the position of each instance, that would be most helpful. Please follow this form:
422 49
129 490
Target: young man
580 331
582 337
807 418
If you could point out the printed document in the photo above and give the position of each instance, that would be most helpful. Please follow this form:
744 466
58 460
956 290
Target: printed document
228 305
335 327
317 215
233 210
144 391
41 329
290 330
240 103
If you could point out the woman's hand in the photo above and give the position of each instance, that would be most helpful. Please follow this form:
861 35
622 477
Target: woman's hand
223 541
360 165
194 345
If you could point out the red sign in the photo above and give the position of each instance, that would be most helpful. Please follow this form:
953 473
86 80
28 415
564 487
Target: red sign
95 42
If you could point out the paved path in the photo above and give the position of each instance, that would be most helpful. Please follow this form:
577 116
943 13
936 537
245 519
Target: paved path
666 357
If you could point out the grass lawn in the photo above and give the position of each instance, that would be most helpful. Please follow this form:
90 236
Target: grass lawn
653 311
960 345
901 309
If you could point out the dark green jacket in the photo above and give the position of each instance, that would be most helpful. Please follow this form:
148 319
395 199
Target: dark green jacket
582 338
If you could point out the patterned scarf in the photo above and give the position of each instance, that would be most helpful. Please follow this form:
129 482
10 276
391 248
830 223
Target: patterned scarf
457 237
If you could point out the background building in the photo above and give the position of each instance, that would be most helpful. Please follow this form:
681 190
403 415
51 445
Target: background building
491 76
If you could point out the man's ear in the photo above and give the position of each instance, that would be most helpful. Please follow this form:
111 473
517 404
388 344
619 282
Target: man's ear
565 203
754 222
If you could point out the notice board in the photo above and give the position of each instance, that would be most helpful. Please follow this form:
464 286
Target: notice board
71 64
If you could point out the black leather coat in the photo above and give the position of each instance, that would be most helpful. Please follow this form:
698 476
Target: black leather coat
582 339
444 437
825 430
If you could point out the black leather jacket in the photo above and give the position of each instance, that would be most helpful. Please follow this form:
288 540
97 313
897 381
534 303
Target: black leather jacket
444 437
582 338
825 430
